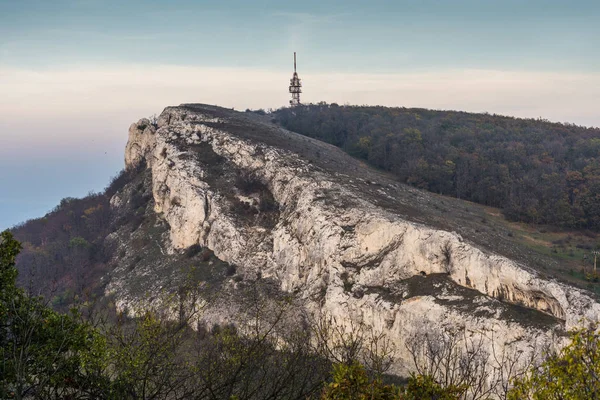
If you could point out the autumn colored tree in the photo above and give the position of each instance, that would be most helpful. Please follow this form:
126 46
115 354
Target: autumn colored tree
536 171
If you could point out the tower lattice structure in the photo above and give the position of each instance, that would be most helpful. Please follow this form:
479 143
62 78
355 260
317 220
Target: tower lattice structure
295 86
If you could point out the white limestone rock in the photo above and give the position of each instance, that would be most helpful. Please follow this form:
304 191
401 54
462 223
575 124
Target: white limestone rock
327 233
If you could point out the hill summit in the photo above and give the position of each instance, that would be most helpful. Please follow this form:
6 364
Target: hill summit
218 208
343 238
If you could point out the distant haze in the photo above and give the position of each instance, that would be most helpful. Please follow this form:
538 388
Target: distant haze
75 74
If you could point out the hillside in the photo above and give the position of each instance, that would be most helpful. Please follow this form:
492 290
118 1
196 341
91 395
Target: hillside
215 199
533 170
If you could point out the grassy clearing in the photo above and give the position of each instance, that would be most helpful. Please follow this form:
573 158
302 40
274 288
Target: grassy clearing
573 250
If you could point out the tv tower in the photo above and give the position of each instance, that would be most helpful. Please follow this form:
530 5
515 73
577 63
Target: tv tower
295 86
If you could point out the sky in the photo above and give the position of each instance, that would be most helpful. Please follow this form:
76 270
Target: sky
74 74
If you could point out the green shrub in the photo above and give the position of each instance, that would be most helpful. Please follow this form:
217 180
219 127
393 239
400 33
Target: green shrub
573 373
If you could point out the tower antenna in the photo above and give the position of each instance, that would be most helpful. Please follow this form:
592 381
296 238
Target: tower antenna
295 87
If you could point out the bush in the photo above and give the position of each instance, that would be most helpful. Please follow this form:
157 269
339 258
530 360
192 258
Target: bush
351 381
206 254
267 201
230 270
192 251
119 181
573 373
78 243
248 184
242 208
425 387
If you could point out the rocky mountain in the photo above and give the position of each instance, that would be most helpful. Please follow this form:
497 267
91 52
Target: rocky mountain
346 240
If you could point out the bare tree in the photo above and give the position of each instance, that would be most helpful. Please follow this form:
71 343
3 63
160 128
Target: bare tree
472 360
269 357
352 341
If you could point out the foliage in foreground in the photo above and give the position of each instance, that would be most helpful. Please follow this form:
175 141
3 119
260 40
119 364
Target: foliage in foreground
48 355
45 354
351 381
573 373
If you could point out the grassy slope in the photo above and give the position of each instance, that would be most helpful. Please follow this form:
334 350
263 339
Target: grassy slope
571 249
556 253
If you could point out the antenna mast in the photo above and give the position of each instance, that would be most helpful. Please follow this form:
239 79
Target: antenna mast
295 86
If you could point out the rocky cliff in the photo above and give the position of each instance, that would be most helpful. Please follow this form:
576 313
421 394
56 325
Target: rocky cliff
344 238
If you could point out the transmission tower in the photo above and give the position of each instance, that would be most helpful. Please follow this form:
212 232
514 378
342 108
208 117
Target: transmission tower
295 86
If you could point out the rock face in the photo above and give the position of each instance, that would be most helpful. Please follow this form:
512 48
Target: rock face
337 234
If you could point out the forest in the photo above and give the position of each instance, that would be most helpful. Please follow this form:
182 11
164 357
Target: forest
534 170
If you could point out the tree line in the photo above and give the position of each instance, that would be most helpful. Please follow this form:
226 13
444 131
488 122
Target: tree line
534 170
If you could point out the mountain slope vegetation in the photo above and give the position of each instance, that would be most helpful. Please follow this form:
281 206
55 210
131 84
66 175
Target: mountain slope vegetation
274 348
534 170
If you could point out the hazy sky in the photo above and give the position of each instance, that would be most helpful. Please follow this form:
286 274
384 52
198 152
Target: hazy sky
75 73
